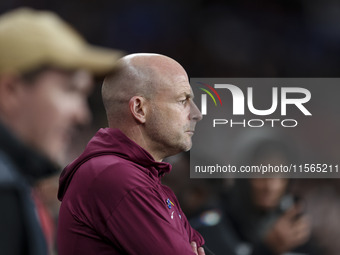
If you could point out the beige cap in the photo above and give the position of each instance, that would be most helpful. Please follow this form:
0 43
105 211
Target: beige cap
30 39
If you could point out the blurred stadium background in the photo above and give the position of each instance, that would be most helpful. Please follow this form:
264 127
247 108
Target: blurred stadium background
216 38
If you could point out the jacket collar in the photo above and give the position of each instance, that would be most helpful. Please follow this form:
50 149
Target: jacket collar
30 163
132 151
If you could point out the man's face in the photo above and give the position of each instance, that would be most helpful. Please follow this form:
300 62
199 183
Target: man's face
173 116
51 108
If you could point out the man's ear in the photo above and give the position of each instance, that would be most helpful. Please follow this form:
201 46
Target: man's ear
138 109
9 92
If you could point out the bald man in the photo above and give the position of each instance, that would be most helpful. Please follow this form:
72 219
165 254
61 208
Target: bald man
112 199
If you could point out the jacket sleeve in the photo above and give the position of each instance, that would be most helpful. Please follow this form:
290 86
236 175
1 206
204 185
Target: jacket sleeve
194 235
141 224
11 223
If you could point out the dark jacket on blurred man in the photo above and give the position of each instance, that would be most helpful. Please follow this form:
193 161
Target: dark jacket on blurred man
20 167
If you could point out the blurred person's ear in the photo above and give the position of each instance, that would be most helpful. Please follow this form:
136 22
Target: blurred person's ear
10 93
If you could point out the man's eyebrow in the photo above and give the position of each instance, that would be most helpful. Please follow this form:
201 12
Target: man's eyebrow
187 95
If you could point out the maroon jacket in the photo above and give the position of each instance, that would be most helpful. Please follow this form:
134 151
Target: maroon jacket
114 203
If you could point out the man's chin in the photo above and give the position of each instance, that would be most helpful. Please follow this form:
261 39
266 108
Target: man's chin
187 147
58 155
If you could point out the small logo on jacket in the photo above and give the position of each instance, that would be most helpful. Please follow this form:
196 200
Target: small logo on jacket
169 203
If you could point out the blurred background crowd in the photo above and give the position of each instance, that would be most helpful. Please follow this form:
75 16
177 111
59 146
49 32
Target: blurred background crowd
216 38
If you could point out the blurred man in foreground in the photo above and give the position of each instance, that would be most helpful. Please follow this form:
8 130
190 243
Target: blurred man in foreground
46 71
112 199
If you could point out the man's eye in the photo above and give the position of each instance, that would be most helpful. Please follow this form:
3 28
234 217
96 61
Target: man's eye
184 101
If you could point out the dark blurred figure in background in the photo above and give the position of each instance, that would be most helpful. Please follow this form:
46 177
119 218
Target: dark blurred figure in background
46 75
251 216
323 208
262 218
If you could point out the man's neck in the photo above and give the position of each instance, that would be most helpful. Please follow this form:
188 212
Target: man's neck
137 135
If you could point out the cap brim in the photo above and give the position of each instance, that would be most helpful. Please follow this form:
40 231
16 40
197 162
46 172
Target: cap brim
99 61
30 39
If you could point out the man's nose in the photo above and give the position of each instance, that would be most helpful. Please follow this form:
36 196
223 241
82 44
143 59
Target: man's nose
195 112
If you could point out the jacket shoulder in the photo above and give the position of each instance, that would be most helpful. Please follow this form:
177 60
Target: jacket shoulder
115 173
8 172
